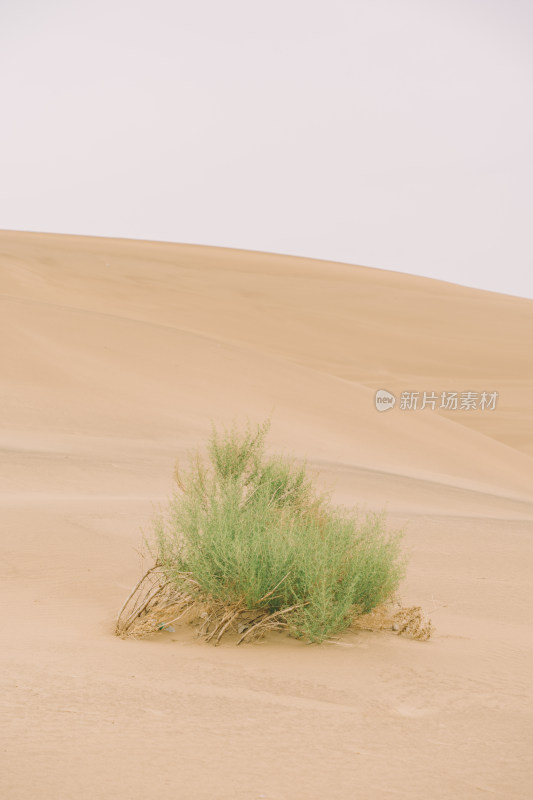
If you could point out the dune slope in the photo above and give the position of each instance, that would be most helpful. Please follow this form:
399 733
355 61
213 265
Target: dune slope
116 356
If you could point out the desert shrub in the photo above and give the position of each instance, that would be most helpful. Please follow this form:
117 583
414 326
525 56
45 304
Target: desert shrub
248 540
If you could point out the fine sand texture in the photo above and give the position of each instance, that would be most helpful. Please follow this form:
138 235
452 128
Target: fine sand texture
115 358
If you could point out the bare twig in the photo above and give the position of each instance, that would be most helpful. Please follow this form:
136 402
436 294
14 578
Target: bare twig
133 592
274 589
265 621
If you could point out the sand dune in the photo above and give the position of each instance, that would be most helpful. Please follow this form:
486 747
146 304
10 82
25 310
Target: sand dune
116 355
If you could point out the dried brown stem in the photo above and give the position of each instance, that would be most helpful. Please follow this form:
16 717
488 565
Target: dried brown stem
133 592
265 621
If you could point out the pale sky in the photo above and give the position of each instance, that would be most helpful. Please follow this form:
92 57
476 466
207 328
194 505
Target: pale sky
390 133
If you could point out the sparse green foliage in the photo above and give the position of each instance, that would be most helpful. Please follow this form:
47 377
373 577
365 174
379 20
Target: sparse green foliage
248 531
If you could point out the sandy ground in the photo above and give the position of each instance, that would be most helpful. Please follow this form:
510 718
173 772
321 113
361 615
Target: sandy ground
115 356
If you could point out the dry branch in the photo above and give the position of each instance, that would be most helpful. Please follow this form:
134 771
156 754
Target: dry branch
402 620
157 601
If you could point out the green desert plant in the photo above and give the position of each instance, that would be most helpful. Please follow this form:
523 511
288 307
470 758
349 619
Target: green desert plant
248 544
